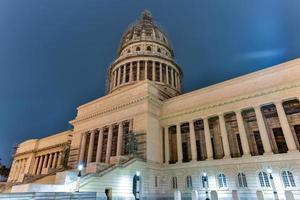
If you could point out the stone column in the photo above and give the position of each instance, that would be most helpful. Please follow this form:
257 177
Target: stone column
124 73
288 136
262 130
193 141
160 72
172 77
91 146
179 143
59 161
146 70
167 148
45 161
209 150
120 139
130 72
99 146
119 75
242 132
167 74
153 70
16 170
131 125
54 160
109 142
40 165
49 161
36 162
82 148
115 78
12 171
224 136
138 71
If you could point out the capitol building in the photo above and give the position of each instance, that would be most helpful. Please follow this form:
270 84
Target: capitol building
146 139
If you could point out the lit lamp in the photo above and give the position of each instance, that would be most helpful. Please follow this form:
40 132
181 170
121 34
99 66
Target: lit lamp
80 167
269 170
205 179
137 194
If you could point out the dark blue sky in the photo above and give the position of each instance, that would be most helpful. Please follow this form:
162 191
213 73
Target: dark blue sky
54 53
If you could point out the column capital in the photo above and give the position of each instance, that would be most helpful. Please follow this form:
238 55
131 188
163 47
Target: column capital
238 111
277 102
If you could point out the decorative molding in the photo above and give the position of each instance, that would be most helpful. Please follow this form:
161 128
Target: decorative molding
149 97
39 150
231 101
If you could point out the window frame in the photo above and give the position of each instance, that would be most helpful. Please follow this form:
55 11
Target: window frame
288 179
264 180
223 180
242 182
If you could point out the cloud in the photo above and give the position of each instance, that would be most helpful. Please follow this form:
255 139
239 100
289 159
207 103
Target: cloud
264 54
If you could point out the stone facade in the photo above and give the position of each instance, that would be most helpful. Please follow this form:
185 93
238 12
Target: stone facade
221 141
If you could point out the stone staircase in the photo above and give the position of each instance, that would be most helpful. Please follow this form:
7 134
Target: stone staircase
87 177
49 196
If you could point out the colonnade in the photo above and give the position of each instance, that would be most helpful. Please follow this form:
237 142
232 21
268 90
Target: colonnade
47 161
211 149
145 69
19 167
100 144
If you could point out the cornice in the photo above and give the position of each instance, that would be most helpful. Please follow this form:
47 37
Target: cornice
39 150
231 101
148 97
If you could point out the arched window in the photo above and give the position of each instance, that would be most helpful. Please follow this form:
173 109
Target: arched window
288 179
158 50
128 51
189 183
156 182
263 179
148 48
138 49
222 180
174 182
204 180
242 180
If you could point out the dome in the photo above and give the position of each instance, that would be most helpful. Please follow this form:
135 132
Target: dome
145 29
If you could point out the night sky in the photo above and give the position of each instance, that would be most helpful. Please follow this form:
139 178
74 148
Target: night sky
54 53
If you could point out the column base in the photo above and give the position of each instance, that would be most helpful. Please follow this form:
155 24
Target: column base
95 167
207 159
227 157
246 156
293 151
194 161
179 162
268 153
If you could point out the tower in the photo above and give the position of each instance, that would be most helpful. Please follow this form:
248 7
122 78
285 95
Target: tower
145 54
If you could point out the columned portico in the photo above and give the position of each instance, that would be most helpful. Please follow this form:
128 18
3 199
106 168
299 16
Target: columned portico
99 146
285 127
82 148
109 142
120 139
91 146
209 150
224 136
242 132
179 143
193 141
262 130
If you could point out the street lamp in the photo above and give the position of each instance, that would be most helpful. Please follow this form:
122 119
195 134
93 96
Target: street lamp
80 167
205 180
269 170
137 194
